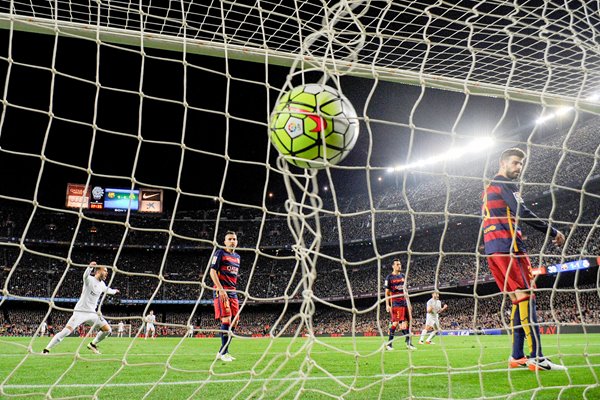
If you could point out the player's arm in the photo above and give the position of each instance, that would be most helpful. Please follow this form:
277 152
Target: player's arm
388 300
88 272
510 194
444 308
110 291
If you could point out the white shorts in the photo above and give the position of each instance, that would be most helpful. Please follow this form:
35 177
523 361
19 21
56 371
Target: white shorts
150 327
88 318
432 321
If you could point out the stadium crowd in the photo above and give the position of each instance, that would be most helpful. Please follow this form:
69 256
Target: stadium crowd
573 306
433 226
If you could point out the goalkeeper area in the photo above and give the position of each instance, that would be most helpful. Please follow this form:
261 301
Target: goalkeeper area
349 368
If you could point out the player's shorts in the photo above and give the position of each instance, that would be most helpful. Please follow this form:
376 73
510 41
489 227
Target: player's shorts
432 321
87 318
226 309
150 328
400 314
511 271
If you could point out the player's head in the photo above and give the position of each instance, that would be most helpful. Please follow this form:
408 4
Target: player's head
230 241
435 295
511 163
396 265
151 312
100 272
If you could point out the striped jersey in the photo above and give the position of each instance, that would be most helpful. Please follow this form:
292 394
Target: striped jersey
227 266
395 284
502 204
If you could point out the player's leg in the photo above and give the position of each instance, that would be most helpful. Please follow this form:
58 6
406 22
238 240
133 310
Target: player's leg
423 333
404 318
234 307
223 313
519 284
392 330
435 328
518 281
507 280
517 358
405 329
73 323
104 331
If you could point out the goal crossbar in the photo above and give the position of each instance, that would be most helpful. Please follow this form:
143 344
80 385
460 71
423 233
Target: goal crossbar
140 38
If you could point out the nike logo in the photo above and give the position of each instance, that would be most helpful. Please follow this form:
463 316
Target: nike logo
321 123
149 196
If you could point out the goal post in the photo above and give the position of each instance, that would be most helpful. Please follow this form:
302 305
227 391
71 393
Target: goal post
126 332
157 118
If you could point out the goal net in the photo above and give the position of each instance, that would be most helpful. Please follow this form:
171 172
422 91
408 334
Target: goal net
118 330
136 134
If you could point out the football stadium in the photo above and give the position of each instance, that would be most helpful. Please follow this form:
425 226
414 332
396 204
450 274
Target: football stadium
299 199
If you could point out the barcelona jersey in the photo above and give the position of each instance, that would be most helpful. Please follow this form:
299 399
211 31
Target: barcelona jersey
227 266
502 204
395 284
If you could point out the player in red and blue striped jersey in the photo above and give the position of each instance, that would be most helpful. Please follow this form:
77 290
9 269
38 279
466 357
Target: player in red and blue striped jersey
503 210
224 268
397 305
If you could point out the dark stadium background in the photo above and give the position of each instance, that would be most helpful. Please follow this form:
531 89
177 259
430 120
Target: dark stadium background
31 86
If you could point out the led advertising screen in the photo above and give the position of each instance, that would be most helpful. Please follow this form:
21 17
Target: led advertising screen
121 199
78 196
566 267
151 200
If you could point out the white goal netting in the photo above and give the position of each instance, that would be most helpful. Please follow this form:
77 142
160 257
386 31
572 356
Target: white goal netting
154 117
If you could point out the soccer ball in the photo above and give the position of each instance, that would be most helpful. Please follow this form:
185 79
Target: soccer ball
313 124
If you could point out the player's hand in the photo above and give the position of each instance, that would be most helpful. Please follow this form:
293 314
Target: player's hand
223 295
117 291
559 239
388 308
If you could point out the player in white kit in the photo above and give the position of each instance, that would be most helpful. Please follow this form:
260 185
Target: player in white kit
43 328
150 321
120 329
85 309
432 322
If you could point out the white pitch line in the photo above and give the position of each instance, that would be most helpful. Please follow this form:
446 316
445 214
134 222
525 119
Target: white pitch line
471 370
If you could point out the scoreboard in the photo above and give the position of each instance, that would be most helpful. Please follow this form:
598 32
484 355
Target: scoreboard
567 266
121 199
145 200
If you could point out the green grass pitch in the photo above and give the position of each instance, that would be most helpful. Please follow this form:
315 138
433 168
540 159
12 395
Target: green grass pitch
461 367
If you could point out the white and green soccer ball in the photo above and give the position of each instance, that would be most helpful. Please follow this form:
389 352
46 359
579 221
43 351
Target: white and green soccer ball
313 124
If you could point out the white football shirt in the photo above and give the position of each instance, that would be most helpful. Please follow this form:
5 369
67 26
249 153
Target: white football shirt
91 291
436 306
